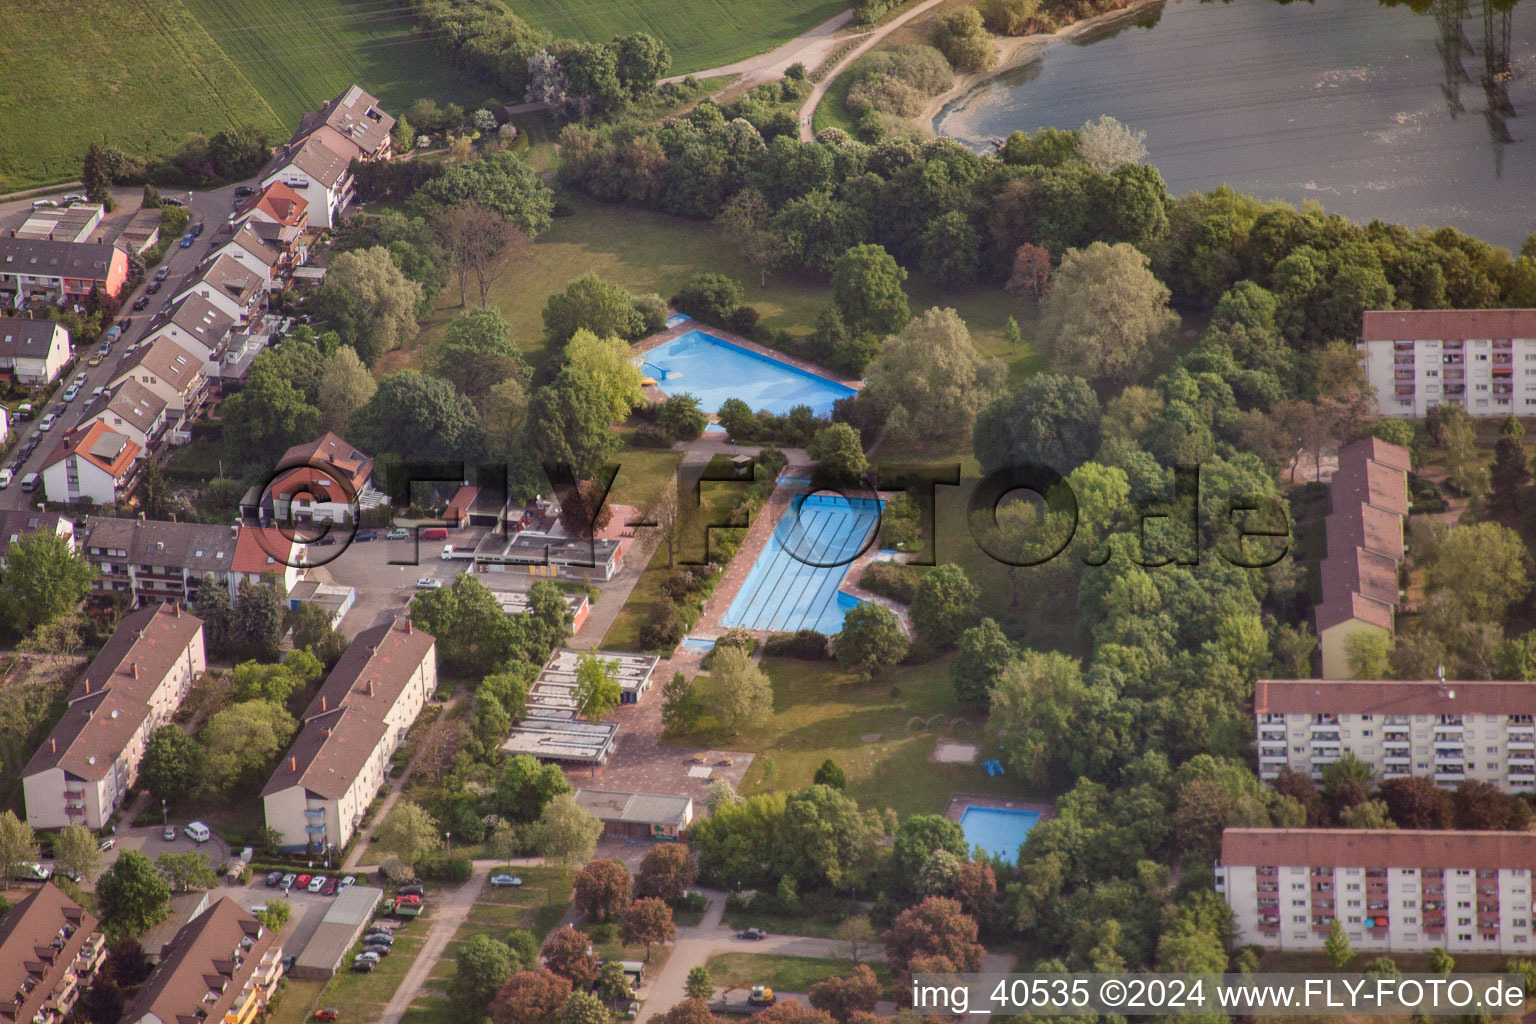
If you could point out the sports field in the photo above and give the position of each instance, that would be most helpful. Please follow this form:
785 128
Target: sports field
139 74
701 33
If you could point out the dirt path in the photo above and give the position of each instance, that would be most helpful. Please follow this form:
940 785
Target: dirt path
809 48
451 912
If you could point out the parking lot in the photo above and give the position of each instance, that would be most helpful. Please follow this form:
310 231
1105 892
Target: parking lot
151 843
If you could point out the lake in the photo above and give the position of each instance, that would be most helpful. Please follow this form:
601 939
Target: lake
1375 112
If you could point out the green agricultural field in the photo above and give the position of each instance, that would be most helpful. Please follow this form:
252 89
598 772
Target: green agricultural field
139 74
701 33
299 53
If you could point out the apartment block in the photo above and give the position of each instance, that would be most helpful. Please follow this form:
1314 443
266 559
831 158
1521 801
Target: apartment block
1364 534
1392 890
83 770
152 560
351 729
50 951
1481 359
223 965
1448 731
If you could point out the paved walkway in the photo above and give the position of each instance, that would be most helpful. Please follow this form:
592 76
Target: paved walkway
808 108
452 909
695 945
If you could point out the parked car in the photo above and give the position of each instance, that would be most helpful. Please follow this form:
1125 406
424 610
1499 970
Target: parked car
428 583
197 832
154 286
168 833
125 323
97 359
302 881
245 192
364 966
753 934
80 377
38 204
73 197
288 880
197 229
329 1013
106 844
141 302
274 879
71 392
376 950
387 938
330 888
6 476
187 240
322 542
48 422
413 890
398 533
97 393
162 273
364 536
169 201
506 880
317 883
349 880
31 871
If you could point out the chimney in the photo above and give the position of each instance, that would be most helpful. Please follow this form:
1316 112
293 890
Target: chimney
135 670
410 627
87 686
322 702
370 687
53 745
293 764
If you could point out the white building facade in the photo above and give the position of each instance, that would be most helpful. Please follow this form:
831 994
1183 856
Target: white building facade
1481 359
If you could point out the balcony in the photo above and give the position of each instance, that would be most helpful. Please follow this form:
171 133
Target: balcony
1450 776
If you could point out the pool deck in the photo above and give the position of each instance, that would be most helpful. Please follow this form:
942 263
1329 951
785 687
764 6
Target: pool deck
758 534
960 801
655 394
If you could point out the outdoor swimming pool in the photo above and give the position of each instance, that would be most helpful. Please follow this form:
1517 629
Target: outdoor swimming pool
998 830
712 370
794 582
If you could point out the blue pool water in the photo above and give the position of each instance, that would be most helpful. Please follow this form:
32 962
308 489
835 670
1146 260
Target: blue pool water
699 643
712 370
678 318
794 582
998 830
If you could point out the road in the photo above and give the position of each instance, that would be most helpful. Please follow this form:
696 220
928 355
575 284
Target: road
212 207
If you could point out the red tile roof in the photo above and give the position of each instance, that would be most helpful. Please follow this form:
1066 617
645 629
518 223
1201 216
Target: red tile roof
1364 532
1368 848
328 451
114 454
1447 324
277 201
1391 697
261 549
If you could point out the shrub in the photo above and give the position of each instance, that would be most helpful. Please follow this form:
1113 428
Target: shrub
664 630
890 579
806 644
710 297
921 67
743 319
886 94
443 868
1010 17
962 37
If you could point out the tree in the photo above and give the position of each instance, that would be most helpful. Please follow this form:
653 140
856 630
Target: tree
1106 144
531 997
866 289
1106 316
1483 567
583 1008
133 897
382 298
312 631
682 418
1509 474
525 787
43 579
649 921
1417 803
569 420
567 832
593 304
242 743
597 687
77 853
1367 652
478 353
871 639
699 985
186 871
481 967
345 387
1049 420
96 175
477 241
257 623
174 764
502 183
983 654
710 297
18 843
830 774
689 1011
929 382
961 37
607 361
640 61
919 838
839 453
858 992
745 221
1440 961
1369 814
419 417
1030 278
740 692
277 913
602 889
211 603
1337 944
568 953
409 833
855 935
666 871
504 416
943 605
155 490
936 927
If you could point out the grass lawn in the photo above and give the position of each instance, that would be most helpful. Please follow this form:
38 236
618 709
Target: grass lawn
775 925
295 1001
779 972
299 53
652 252
701 33
364 996
822 711
138 75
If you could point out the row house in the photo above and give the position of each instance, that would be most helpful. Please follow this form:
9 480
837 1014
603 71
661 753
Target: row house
259 247
150 560
353 124
323 785
1448 731
58 273
33 351
82 772
197 325
50 951
131 409
175 375
320 176
1483 360
16 523
1392 890
91 464
223 965
233 286
1365 538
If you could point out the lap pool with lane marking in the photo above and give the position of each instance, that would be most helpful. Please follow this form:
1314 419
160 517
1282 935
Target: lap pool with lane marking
786 592
712 370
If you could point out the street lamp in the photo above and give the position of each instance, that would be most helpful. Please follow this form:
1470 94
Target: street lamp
448 838
165 817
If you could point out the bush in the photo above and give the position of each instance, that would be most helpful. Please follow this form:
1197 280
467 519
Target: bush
1010 17
886 94
921 67
664 630
962 38
444 868
806 644
739 638
743 319
890 579
709 297
651 436
691 902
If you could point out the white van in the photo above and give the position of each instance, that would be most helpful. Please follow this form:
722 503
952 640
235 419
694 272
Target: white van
447 550
197 832
6 476
30 481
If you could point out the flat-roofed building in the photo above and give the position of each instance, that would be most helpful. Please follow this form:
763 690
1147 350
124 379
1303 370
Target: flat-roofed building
657 816
1398 890
82 772
355 723
224 965
1483 360
1445 730
50 951
517 602
345 918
